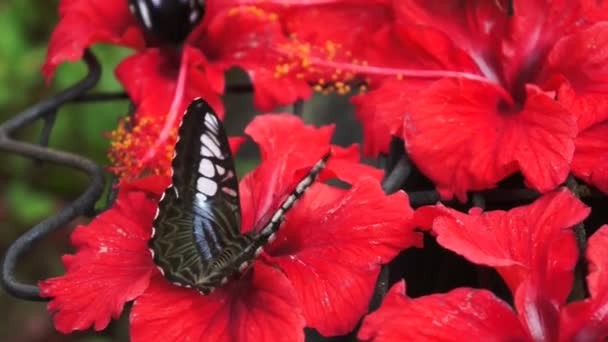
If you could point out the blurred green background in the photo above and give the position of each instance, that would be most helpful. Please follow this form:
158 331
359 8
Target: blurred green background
31 191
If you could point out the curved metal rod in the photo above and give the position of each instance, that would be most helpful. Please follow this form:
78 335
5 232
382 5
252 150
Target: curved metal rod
83 203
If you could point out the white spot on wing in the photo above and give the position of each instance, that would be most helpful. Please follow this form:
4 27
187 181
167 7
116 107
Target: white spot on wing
205 152
211 121
206 186
212 146
229 191
145 15
220 170
205 168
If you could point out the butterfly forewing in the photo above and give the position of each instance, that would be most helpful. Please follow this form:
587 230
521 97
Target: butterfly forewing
198 222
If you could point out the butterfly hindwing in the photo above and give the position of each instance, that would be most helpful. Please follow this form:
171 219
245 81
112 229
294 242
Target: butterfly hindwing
198 220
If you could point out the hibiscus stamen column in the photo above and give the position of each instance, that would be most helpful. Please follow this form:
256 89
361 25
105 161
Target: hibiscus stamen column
400 73
174 114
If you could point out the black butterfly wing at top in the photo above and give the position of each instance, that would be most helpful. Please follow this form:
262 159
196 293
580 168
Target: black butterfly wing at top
198 218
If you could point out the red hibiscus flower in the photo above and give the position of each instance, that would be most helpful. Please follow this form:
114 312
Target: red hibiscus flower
267 40
534 249
319 272
484 90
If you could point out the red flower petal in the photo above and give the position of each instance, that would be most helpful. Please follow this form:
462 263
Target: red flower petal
550 21
161 85
332 245
381 112
597 255
532 247
335 23
588 320
259 307
247 37
112 266
582 58
288 147
156 72
502 239
595 10
337 34
85 22
590 162
456 135
453 316
445 28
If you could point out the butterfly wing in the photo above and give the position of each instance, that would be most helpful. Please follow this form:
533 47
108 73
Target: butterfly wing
198 216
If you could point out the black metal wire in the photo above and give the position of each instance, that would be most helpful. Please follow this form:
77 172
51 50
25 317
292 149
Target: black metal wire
121 95
46 110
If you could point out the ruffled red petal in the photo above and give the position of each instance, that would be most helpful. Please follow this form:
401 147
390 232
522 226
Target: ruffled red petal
588 320
288 148
453 316
85 22
532 247
111 267
247 36
444 30
458 137
581 58
332 245
502 239
381 112
261 306
523 52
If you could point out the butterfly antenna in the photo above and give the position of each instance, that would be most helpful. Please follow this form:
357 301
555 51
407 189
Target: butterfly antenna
267 233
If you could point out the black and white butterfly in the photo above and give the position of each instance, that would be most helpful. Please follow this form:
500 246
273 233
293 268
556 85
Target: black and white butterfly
196 238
